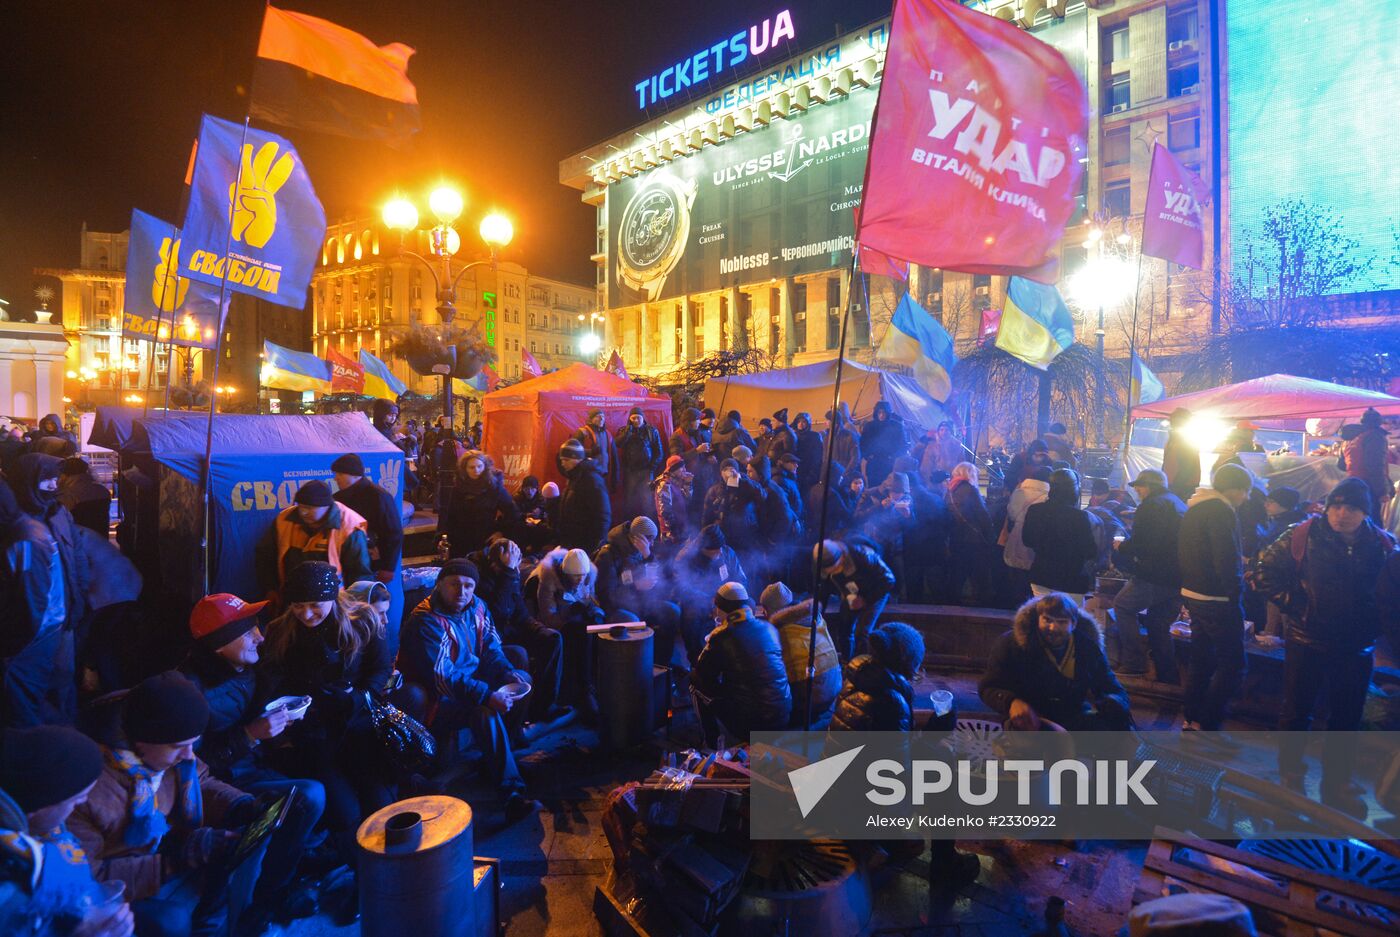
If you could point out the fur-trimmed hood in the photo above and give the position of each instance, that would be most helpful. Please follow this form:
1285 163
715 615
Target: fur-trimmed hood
1026 632
800 613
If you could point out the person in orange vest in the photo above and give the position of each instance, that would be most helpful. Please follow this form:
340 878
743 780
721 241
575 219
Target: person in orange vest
314 528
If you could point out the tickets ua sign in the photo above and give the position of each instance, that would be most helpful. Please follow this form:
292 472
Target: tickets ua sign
253 219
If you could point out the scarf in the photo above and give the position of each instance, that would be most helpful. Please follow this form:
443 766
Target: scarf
1065 665
146 825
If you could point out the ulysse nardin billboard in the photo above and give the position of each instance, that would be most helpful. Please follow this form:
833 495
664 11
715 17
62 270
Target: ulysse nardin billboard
774 202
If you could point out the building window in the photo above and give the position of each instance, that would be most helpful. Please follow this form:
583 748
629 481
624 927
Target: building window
833 312
799 317
775 311
1118 45
1183 26
1184 131
725 339
745 319
1183 79
1118 198
1119 94
860 317
699 341
1117 147
533 349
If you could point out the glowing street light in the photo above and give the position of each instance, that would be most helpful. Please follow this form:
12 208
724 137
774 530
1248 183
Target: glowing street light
1104 282
445 203
589 343
496 230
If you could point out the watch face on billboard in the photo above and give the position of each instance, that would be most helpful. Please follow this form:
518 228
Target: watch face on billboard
773 202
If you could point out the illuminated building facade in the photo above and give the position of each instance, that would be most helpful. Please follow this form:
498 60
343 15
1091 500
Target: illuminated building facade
364 295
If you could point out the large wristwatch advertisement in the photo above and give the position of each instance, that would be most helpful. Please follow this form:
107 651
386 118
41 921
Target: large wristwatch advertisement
653 234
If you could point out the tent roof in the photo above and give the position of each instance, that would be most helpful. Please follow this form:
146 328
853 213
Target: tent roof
576 379
1276 397
179 443
786 387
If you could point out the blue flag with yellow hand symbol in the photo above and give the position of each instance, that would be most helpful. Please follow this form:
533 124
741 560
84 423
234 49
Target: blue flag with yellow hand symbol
160 305
276 221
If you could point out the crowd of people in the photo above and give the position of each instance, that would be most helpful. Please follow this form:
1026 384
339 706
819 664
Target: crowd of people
763 562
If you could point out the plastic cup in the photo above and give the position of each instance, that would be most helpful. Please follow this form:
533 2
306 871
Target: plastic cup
942 702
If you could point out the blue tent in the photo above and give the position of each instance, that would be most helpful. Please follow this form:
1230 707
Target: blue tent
257 465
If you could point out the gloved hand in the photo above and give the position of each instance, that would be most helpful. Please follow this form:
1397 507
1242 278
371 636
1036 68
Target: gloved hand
208 846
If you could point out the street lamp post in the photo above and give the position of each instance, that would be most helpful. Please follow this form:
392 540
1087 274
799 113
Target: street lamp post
591 344
1104 282
446 204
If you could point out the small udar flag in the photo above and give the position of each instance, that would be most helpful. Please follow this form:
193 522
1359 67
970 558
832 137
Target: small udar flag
313 74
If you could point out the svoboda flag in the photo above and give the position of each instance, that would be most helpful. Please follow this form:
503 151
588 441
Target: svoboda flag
974 157
277 221
161 305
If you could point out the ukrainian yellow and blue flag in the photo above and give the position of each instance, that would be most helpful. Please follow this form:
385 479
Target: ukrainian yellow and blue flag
285 369
379 380
917 341
1035 323
1146 386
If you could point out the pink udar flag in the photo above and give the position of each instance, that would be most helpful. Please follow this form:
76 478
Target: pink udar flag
974 159
616 367
529 365
1173 226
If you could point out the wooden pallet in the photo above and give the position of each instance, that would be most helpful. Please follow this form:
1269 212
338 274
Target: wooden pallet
1287 901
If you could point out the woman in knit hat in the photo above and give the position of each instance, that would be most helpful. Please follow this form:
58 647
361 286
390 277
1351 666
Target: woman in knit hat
331 647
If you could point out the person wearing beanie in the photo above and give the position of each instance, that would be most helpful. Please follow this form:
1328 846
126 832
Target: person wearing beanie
1210 556
729 433
585 508
1284 507
739 684
453 660
383 514
763 440
1336 579
157 813
48 771
856 575
385 416
733 503
527 642
316 527
560 593
34 482
479 507
883 440
632 584
1051 666
1061 536
534 529
1366 457
670 493
784 440
1151 598
332 648
704 564
690 437
640 454
599 445
794 624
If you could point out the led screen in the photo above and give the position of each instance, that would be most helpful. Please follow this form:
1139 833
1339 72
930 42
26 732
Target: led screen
1312 113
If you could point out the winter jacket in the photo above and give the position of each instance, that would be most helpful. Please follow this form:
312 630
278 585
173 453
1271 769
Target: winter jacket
871 579
783 441
621 570
1365 458
30 572
1181 462
972 525
1021 667
383 523
873 699
340 539
479 507
1150 553
778 524
684 441
787 481
1063 540
1031 491
1208 548
89 502
545 587
671 493
43 506
600 447
100 825
1340 596
233 697
52 439
698 577
727 435
846 448
881 442
794 625
742 663
940 455
585 510
837 505
315 666
811 452
458 657
735 510
639 451
502 590
1281 522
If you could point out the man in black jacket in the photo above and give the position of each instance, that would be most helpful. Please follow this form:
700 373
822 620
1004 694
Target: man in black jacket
853 571
811 453
1150 557
641 456
599 446
528 643
384 518
222 664
739 678
784 440
1338 578
585 509
32 618
1051 665
1212 583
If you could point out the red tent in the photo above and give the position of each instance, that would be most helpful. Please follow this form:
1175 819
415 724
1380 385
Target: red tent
1276 397
524 425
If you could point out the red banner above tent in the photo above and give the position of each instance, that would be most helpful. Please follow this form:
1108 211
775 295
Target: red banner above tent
347 375
974 157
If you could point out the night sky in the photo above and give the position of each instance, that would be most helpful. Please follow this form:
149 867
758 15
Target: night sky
99 102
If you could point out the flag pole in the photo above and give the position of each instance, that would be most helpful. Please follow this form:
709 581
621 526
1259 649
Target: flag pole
214 378
1132 364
